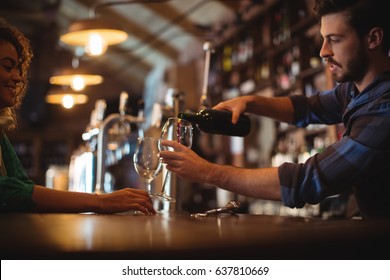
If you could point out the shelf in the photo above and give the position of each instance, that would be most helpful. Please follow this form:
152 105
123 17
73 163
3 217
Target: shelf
283 61
302 25
311 72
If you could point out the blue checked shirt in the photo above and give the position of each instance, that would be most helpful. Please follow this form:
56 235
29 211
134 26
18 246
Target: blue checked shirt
360 160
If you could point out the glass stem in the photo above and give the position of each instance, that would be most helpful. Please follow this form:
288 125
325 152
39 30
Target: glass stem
148 186
167 176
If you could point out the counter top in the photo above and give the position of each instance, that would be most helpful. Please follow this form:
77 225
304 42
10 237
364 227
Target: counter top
90 236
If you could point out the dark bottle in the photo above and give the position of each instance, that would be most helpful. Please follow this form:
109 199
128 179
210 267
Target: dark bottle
218 122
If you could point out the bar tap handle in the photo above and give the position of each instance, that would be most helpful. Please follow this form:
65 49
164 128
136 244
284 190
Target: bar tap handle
123 102
207 47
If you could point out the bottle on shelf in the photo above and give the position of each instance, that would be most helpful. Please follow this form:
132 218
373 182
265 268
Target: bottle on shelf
227 63
218 122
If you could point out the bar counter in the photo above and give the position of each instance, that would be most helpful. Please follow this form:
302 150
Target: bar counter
180 236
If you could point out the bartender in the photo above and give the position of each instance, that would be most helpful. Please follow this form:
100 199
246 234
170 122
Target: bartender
356 43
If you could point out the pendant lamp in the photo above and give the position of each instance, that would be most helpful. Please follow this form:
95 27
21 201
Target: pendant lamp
66 98
94 34
75 78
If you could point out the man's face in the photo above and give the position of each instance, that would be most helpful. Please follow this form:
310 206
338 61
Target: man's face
342 49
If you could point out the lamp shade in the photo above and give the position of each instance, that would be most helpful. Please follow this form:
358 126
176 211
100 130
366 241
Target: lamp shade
75 78
65 98
94 35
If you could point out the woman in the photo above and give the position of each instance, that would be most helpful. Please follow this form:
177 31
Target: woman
17 192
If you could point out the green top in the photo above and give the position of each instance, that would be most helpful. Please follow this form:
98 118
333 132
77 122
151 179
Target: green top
15 187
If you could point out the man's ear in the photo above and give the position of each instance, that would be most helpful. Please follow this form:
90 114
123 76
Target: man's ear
375 37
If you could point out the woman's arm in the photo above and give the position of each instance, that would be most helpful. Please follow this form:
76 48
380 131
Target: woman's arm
49 200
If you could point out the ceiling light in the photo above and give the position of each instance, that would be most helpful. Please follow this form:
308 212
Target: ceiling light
94 34
75 78
66 98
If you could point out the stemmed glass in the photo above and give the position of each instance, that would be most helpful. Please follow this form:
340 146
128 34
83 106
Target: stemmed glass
178 130
146 159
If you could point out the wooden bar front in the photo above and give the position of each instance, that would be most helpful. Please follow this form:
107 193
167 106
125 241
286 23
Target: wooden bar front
90 236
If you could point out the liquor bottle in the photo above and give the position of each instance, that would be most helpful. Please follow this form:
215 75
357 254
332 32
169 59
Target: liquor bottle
218 122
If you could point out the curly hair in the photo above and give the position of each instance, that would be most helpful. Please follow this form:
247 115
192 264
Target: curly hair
9 33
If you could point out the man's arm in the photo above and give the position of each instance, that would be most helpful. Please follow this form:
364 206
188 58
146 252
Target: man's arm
278 108
261 182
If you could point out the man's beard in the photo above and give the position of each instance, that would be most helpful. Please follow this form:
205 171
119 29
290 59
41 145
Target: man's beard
356 67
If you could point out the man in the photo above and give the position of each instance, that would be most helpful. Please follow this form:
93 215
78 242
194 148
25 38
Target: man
356 50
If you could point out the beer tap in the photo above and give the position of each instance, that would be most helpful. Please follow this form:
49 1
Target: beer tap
114 132
208 48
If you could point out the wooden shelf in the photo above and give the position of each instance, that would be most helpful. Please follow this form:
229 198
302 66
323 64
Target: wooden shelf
284 58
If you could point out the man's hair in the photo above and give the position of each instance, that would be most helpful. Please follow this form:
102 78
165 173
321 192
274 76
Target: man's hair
11 34
362 15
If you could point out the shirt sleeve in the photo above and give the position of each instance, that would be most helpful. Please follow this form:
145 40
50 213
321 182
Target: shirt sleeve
342 165
15 187
361 155
321 108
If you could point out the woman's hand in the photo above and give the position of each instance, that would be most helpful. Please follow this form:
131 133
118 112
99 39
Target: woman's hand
124 200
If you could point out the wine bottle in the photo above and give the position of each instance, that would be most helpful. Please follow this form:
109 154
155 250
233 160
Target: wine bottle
218 122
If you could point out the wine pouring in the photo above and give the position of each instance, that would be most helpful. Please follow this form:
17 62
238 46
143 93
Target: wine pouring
218 122
180 131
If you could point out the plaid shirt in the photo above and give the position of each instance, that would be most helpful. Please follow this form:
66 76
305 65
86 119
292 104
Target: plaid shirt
15 187
360 160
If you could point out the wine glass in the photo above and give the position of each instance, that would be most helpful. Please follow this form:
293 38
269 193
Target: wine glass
178 130
146 159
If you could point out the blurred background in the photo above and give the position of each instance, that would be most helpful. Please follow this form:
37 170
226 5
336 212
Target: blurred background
264 47
161 35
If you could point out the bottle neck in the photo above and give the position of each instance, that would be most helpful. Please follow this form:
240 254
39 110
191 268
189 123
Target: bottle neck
189 117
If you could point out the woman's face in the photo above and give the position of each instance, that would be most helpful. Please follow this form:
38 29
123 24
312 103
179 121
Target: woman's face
9 74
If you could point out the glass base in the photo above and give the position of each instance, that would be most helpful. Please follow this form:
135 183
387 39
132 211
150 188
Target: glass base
163 196
163 206
132 213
